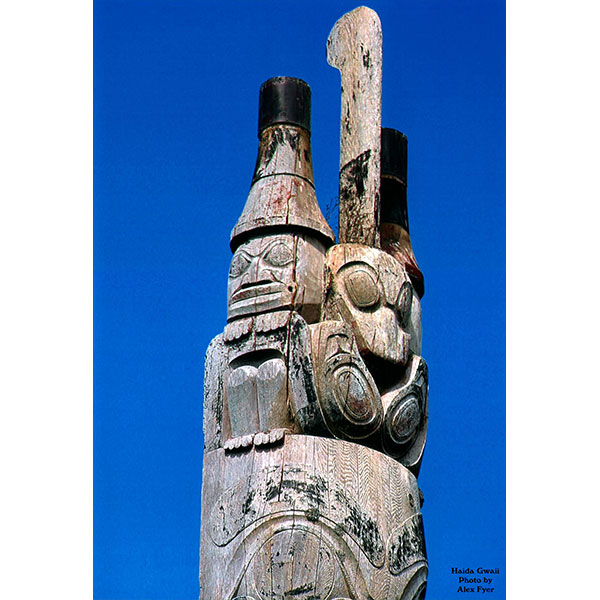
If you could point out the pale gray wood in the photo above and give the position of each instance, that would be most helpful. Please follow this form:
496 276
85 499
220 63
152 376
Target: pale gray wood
271 382
404 431
242 400
355 48
214 368
348 396
371 290
276 270
322 498
283 190
315 406
414 326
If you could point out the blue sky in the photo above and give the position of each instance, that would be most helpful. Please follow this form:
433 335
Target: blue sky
175 115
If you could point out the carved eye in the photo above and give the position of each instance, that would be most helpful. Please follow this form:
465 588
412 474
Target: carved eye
362 288
279 256
404 303
239 264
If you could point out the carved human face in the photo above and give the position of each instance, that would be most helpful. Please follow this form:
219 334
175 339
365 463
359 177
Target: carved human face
371 290
279 270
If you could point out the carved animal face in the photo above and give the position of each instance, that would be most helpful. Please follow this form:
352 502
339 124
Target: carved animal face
280 270
370 290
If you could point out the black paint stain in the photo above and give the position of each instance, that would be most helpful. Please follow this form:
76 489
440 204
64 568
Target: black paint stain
301 589
313 514
347 120
408 546
362 528
291 137
365 529
277 137
367 59
248 501
272 490
355 174
314 491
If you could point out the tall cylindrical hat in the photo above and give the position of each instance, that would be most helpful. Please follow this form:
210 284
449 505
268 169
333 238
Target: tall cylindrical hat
282 194
395 237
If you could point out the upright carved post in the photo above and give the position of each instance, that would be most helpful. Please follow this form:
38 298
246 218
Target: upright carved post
315 399
355 48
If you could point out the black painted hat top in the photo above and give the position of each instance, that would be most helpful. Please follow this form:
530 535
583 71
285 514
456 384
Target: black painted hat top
394 153
284 100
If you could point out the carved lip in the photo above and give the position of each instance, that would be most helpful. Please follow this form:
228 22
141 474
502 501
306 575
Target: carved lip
254 291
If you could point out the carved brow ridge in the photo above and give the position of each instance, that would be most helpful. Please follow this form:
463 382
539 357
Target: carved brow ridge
263 249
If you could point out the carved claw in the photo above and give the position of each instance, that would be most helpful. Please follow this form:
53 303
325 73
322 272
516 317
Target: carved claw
277 434
261 438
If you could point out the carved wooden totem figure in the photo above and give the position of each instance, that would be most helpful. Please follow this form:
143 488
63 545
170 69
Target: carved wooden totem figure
315 399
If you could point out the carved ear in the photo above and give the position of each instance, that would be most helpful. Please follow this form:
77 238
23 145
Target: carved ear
404 429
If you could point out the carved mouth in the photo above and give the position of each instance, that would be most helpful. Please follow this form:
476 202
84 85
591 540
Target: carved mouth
256 291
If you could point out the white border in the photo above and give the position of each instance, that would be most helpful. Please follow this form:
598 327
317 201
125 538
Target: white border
552 298
46 299
46 303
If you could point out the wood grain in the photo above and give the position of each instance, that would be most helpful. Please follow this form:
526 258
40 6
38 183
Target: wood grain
355 48
315 393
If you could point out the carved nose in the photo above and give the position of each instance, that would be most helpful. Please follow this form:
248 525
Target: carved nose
250 277
258 273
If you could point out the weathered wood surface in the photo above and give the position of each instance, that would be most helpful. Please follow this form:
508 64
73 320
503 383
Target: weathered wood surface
371 290
315 393
355 48
275 271
347 394
283 190
279 374
308 519
404 431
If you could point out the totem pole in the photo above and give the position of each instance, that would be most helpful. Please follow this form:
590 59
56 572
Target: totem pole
315 394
